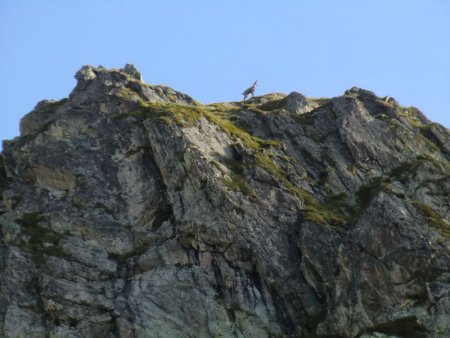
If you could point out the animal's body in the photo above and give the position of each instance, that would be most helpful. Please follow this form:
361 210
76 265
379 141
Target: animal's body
250 90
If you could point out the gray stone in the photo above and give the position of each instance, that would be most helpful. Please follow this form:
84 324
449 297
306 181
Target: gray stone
298 103
132 71
130 210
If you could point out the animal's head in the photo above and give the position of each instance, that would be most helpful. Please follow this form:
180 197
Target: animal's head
255 83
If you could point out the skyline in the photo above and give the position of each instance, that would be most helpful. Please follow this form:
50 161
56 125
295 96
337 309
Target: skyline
212 52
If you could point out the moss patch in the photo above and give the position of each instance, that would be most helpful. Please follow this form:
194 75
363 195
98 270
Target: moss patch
433 218
407 170
49 108
274 105
237 182
224 119
322 212
128 94
185 115
314 211
412 114
236 178
321 100
182 114
404 171
226 125
338 202
434 142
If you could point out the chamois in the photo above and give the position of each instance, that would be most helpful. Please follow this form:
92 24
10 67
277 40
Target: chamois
250 90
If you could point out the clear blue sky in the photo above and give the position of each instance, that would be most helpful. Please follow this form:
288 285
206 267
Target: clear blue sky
212 50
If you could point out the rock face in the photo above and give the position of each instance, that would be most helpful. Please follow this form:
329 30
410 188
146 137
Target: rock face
130 210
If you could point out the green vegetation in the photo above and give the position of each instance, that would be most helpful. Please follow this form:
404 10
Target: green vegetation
233 129
226 125
431 139
402 173
338 202
236 179
237 182
320 213
321 100
181 114
225 110
405 170
334 210
305 119
420 138
315 210
218 166
51 106
272 106
412 115
185 115
128 93
433 218
222 115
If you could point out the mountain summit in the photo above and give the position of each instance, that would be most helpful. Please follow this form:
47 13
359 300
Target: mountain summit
132 210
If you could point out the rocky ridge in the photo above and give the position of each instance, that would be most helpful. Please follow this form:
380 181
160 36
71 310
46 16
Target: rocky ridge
131 210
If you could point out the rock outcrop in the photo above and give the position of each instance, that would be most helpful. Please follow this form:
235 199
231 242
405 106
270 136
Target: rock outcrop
131 210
